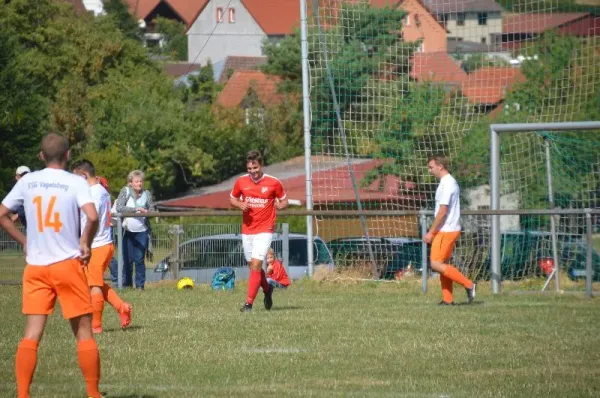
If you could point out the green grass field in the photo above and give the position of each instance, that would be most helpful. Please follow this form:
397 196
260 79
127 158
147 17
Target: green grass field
325 339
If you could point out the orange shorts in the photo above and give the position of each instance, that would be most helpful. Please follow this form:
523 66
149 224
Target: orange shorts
65 280
442 246
98 264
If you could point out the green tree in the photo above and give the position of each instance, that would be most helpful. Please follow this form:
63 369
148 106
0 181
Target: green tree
175 40
202 86
23 116
283 60
114 164
118 11
363 45
478 61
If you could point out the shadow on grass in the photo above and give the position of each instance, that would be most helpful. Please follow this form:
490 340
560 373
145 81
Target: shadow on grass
471 304
286 308
131 396
129 328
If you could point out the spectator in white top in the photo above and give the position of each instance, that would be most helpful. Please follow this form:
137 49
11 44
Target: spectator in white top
135 199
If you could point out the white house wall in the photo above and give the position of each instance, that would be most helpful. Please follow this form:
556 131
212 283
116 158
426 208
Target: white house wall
242 38
471 30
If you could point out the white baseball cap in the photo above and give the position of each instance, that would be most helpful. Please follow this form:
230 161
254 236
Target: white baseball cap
22 170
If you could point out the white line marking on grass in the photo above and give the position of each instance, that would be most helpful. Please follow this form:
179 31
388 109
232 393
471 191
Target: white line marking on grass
274 350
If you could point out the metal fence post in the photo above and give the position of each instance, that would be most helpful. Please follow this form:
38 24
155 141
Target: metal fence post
120 251
285 246
424 268
175 231
588 254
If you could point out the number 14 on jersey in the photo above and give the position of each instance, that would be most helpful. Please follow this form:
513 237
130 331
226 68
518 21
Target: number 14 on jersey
47 218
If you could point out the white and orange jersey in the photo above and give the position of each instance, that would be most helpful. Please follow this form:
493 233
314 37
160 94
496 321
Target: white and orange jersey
52 199
101 199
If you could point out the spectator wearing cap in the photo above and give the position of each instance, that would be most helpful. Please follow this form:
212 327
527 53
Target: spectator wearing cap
20 213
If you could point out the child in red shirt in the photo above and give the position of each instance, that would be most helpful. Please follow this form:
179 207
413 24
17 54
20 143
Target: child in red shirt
276 275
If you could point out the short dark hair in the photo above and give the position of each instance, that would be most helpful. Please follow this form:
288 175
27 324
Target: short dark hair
254 156
85 166
54 147
441 160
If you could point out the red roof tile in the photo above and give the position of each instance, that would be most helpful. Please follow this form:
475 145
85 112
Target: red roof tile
141 8
188 10
275 17
436 67
236 88
328 187
538 22
233 63
490 85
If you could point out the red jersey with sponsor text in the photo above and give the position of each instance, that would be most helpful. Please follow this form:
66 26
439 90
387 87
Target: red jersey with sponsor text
260 196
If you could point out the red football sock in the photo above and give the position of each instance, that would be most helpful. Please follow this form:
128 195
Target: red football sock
254 283
25 366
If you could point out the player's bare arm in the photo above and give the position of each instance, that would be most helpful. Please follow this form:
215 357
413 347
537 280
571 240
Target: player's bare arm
281 204
9 226
89 232
437 222
235 202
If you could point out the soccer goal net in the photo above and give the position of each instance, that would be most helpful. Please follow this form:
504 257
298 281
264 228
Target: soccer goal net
395 82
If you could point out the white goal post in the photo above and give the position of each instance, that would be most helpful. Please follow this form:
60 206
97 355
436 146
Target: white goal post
495 142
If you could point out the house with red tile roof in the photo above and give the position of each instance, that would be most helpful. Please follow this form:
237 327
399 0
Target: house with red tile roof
239 27
419 24
184 11
468 20
251 90
520 28
487 87
225 69
437 67
250 82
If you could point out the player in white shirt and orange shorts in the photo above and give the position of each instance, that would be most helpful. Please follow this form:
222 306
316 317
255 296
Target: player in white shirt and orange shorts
56 255
102 251
258 195
445 230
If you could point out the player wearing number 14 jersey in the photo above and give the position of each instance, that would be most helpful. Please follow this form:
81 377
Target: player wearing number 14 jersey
56 254
102 251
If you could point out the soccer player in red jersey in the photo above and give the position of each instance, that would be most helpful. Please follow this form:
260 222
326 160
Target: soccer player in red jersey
258 195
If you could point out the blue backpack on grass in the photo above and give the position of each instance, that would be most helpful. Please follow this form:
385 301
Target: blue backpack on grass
223 279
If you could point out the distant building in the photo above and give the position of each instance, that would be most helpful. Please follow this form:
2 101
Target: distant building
518 29
468 20
239 27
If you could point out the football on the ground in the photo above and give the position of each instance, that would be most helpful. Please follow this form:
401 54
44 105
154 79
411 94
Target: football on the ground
185 283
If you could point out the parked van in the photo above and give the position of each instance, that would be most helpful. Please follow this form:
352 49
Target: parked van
200 257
